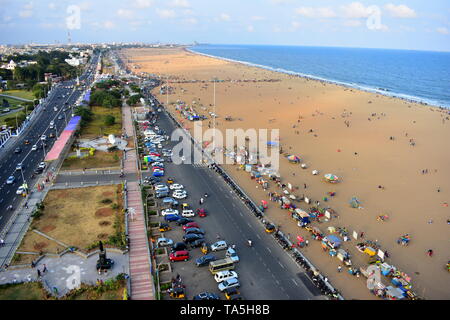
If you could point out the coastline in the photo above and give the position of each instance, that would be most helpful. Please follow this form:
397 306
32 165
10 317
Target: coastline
396 165
401 96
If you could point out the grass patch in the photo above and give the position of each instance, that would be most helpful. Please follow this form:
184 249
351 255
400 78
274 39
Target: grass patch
97 126
100 159
33 242
22 291
78 218
24 94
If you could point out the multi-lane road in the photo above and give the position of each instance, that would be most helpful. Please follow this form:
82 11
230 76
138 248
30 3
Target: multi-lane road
63 96
265 270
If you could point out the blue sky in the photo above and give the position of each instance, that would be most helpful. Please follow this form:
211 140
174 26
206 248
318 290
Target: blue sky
407 24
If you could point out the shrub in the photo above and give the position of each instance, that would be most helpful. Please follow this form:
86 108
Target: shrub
109 120
106 201
115 206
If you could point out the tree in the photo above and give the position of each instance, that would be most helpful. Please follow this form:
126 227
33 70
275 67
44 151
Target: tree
109 120
85 114
5 103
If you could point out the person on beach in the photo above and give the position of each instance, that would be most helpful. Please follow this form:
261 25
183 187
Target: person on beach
430 252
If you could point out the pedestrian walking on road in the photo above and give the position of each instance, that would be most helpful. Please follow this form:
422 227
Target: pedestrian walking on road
339 269
39 273
2 242
44 270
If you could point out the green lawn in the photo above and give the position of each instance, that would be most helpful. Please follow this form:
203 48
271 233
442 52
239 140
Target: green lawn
97 126
100 159
20 93
22 291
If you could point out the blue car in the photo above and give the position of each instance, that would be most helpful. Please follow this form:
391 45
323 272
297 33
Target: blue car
171 217
204 260
158 173
170 201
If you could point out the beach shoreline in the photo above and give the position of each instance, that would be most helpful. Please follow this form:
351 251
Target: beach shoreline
401 96
297 106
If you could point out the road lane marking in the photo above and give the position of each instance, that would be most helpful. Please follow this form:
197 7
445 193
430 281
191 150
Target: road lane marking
269 250
281 264
258 236
295 282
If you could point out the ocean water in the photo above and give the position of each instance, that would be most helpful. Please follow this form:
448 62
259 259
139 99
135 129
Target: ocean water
422 76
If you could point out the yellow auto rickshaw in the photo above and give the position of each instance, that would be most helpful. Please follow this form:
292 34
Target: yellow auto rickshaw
270 228
170 180
164 227
204 248
232 294
177 293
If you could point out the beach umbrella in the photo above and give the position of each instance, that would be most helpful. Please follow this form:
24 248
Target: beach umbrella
293 158
331 178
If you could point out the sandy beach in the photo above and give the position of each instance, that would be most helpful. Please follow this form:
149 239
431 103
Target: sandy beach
392 154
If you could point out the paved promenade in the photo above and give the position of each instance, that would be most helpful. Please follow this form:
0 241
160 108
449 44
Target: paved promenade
142 287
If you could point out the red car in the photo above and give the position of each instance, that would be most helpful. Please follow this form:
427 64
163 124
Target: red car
155 154
182 255
202 212
191 225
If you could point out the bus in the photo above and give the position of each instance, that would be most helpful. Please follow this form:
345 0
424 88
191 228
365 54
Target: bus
221 265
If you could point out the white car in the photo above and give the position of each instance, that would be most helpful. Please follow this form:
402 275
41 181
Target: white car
169 211
164 242
188 213
158 164
34 147
160 187
43 137
219 245
42 165
176 186
179 194
21 190
225 275
19 166
230 283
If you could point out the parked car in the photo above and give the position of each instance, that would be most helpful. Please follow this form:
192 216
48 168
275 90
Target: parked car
169 211
21 190
206 296
191 225
232 294
179 246
160 195
219 245
230 283
188 213
161 186
194 230
176 186
179 256
171 217
198 243
231 253
179 194
38 170
189 238
225 275
10 180
164 242
169 201
183 221
205 260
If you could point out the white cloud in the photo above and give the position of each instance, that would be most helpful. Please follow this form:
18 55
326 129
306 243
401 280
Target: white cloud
27 10
295 24
188 12
356 10
108 24
319 12
191 21
125 14
257 18
400 11
142 4
165 14
280 1
180 4
250 28
276 29
443 30
224 17
85 6
352 23
51 6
